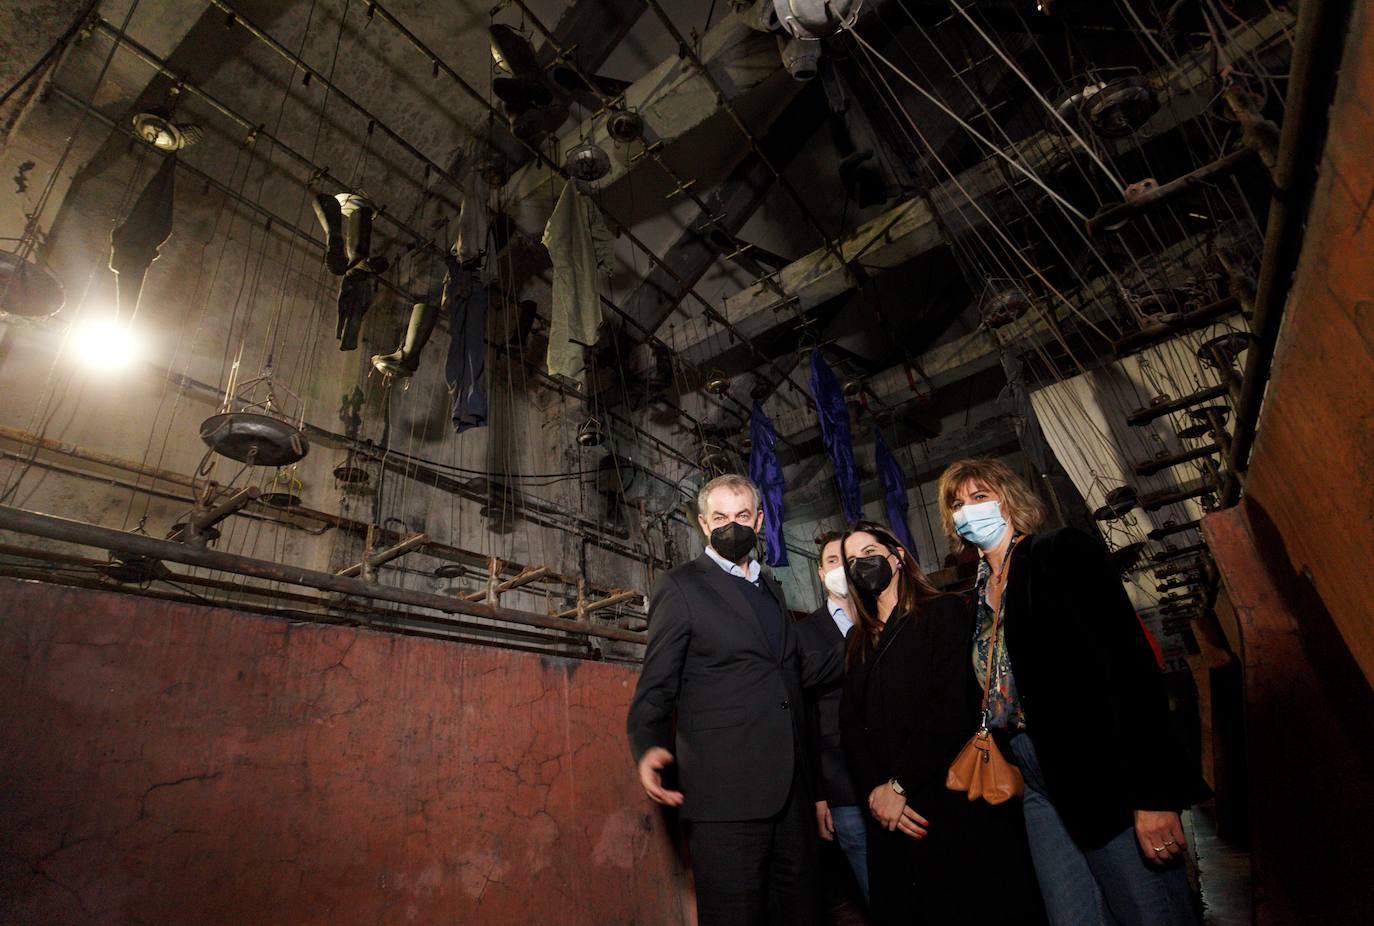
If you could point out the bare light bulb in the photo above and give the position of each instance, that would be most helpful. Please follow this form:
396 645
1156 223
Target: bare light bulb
104 344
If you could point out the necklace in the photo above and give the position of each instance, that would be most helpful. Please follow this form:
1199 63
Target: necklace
998 580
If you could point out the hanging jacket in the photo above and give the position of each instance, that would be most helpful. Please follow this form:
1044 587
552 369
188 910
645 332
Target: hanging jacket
580 246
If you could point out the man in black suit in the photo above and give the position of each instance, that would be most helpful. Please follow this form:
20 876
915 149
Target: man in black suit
838 814
724 662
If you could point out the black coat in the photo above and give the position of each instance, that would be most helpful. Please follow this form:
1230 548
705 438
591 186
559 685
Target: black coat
740 723
818 632
907 710
1091 689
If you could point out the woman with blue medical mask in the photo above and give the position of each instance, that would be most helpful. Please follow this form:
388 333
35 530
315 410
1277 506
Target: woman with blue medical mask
1076 699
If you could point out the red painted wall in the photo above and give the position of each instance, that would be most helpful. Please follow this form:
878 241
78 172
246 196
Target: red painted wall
163 763
1310 471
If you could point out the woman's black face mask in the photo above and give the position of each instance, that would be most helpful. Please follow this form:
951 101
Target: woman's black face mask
872 574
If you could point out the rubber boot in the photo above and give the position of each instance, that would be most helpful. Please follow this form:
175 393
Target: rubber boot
331 220
405 360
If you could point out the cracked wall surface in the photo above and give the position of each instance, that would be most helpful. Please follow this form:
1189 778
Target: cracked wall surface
166 763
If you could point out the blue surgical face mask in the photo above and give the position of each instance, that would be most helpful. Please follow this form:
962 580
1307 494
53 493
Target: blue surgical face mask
981 525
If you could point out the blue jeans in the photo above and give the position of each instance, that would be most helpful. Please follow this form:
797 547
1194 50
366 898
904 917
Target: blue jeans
1112 885
852 837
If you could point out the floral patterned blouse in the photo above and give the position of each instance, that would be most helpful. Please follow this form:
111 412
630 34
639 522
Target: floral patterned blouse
1004 707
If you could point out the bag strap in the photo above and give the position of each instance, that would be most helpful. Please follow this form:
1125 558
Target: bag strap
992 638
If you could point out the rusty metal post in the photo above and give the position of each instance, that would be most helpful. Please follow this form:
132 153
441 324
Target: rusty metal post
367 567
493 596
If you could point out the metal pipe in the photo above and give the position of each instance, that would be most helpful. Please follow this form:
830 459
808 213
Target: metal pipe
1170 555
1110 217
1150 412
476 634
266 512
325 604
524 578
54 528
1155 334
1157 500
1150 467
598 605
1316 51
382 557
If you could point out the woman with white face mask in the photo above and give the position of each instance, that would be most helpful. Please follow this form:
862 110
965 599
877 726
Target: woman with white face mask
1076 699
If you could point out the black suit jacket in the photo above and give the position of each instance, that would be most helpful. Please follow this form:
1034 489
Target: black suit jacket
1091 688
739 714
828 768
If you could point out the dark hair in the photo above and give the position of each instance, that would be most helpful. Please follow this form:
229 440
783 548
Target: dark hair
913 592
825 538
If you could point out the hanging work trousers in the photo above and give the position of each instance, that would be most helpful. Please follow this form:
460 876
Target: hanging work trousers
465 302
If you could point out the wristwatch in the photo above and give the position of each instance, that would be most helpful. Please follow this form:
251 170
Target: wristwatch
897 786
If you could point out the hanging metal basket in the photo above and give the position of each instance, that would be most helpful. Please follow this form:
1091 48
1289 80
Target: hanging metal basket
590 433
625 126
1122 107
588 162
815 19
27 288
252 427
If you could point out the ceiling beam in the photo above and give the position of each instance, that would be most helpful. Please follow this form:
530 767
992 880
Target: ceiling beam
912 228
673 99
978 351
590 30
729 207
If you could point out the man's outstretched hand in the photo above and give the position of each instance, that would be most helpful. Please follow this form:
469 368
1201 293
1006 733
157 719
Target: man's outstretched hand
651 766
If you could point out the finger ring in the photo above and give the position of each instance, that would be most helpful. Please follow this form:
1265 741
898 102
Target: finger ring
1158 848
1170 842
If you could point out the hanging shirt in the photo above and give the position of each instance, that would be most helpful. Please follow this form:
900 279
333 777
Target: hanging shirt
1004 706
580 247
473 218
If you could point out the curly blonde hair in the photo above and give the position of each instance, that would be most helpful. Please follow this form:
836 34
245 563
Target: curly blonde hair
1020 505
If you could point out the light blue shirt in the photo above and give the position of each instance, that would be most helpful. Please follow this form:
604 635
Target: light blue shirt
837 614
752 574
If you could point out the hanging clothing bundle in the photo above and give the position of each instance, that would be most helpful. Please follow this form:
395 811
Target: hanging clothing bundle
580 246
347 223
135 241
474 222
465 300
833 417
766 473
894 491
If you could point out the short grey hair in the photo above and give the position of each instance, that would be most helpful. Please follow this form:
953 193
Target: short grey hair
728 481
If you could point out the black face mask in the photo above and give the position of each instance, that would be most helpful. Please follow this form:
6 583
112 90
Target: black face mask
734 541
871 573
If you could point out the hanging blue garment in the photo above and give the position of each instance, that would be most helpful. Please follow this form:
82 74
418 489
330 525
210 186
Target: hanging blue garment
465 301
894 490
834 420
766 473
